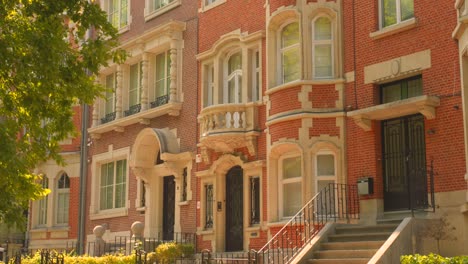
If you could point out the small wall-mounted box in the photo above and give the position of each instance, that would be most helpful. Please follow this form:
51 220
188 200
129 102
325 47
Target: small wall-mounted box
365 186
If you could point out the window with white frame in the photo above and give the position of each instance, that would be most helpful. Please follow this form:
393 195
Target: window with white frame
162 79
63 199
290 52
395 11
113 182
42 205
326 169
322 48
255 62
290 185
110 99
208 85
233 79
134 90
117 12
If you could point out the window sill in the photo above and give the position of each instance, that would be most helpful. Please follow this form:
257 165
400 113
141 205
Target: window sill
172 109
108 214
205 232
141 209
154 13
394 29
183 203
124 29
212 5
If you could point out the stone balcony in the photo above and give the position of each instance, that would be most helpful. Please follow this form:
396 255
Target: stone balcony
226 127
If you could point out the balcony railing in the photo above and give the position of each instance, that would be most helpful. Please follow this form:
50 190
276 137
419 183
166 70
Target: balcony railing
108 117
161 100
229 126
228 118
133 110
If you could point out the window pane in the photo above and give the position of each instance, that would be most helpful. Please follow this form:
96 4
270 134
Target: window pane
389 12
254 200
292 198
110 89
415 87
63 208
123 13
325 165
209 200
323 29
235 63
407 9
161 74
291 167
290 35
134 85
231 90
323 60
291 66
391 93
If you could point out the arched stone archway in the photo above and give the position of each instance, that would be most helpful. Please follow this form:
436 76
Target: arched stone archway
156 160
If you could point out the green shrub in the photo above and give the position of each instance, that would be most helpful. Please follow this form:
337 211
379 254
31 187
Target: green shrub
169 252
432 259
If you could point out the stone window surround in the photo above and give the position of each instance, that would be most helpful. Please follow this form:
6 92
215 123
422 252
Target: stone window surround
165 37
152 13
97 160
309 183
381 27
104 6
214 4
53 172
286 15
218 55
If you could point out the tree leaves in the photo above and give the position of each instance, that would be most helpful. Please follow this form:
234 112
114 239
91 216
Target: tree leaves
47 64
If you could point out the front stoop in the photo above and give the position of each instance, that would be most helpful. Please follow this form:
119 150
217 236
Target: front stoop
352 244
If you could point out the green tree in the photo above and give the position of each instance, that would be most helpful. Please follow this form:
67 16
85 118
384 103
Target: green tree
47 65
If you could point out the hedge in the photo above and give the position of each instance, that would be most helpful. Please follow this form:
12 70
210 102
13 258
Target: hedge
432 259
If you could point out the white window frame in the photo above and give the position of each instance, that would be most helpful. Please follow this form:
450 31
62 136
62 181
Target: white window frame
110 156
209 4
152 12
42 204
65 190
282 182
323 42
256 75
209 84
167 74
106 6
398 14
114 184
236 75
324 177
281 51
137 89
111 97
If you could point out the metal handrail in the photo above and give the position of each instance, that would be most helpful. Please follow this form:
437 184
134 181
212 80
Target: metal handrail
336 201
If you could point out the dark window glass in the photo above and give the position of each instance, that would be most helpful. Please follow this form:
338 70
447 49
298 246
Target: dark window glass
254 200
402 89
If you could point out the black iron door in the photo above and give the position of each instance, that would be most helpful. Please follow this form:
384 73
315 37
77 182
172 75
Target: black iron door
168 208
234 210
404 163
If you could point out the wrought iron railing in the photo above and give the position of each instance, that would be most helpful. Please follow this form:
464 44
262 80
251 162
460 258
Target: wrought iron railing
335 202
422 194
108 117
228 257
133 110
161 100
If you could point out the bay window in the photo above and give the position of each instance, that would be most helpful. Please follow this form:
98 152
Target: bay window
290 185
290 53
322 48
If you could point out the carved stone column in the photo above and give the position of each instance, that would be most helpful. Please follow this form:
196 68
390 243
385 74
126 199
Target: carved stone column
118 93
144 82
96 113
173 72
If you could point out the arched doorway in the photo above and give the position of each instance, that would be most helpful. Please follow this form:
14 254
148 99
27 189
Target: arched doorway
234 210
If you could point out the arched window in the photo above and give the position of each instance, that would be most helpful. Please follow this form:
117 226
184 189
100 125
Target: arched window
63 199
233 79
322 48
42 207
290 52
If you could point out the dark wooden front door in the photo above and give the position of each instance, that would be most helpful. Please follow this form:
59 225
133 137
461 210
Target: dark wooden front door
234 210
404 163
168 207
